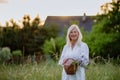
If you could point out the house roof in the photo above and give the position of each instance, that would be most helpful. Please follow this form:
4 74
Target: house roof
62 21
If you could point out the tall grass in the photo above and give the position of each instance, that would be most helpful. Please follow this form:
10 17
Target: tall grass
106 71
42 71
52 71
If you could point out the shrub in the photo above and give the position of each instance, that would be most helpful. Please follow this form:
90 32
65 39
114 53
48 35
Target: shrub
16 56
53 47
5 54
17 53
101 43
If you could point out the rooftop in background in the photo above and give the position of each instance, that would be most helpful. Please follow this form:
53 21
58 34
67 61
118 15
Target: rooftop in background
64 21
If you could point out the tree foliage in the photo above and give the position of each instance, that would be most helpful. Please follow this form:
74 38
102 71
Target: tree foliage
105 36
28 37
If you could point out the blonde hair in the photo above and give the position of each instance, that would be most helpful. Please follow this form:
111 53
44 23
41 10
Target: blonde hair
68 32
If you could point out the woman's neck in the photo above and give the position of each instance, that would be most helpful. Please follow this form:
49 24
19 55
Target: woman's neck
73 44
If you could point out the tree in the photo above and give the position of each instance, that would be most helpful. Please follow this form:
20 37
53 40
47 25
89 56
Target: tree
105 35
29 38
113 18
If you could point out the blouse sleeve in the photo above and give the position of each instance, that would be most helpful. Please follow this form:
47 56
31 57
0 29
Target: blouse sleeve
62 56
84 60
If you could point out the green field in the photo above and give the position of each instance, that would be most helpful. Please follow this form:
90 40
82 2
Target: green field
52 71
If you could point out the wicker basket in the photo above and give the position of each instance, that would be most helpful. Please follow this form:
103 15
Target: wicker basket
70 66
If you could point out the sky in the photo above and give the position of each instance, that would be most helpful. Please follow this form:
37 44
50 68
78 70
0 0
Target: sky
16 9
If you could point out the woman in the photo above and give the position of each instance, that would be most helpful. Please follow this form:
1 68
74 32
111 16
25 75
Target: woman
77 50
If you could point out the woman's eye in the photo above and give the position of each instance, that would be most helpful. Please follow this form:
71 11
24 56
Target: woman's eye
71 32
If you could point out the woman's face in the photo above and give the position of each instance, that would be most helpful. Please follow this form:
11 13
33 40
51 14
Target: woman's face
74 34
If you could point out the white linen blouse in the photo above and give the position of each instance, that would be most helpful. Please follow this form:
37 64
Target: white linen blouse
80 53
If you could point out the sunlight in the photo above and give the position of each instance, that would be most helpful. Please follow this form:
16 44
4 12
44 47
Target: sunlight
41 23
3 1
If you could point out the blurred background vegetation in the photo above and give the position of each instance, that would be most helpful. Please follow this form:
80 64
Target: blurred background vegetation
32 39
23 47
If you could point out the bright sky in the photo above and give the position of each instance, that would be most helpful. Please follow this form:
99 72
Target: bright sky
16 9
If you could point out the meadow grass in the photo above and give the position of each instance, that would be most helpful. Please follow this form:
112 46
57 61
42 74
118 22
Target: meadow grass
50 70
106 71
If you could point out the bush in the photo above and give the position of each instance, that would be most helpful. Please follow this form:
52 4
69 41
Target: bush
5 54
17 53
102 43
16 56
53 47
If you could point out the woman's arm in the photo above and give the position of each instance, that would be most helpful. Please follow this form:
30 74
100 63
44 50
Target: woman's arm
84 60
61 60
